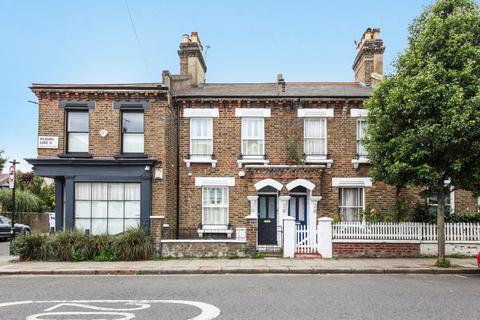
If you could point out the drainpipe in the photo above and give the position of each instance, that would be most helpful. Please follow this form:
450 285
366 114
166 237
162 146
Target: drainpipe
177 122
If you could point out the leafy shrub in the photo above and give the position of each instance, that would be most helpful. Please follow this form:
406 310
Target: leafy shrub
132 245
28 247
76 246
373 215
466 217
106 254
422 213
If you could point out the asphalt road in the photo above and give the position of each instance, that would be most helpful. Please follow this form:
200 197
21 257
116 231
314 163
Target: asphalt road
242 297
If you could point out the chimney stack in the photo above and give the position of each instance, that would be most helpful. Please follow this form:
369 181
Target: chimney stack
368 64
281 84
191 58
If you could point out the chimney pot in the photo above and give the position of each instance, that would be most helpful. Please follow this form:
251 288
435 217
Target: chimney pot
186 38
281 85
195 37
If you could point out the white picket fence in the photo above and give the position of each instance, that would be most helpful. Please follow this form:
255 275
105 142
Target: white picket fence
455 232
306 240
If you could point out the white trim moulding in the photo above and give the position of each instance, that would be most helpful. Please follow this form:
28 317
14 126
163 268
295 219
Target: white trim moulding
205 113
252 112
214 181
351 182
358 113
324 113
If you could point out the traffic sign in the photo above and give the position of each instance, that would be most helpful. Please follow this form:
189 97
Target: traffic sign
11 177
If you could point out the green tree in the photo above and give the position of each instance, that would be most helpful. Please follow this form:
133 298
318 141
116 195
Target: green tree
25 200
424 119
2 160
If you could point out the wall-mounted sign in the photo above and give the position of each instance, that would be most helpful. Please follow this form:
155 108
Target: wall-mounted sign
47 142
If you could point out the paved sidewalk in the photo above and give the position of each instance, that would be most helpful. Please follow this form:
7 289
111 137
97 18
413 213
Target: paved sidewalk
219 266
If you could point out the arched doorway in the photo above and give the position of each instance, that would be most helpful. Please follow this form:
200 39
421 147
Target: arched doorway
267 216
268 221
297 205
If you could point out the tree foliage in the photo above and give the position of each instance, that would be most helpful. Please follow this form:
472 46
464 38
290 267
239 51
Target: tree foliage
32 194
424 119
2 160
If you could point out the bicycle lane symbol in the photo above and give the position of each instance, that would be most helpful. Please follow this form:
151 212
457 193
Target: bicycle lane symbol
124 312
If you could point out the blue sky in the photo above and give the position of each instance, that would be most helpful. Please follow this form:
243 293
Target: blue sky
92 41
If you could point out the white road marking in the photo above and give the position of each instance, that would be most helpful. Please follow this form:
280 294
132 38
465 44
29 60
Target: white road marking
208 311
142 306
40 316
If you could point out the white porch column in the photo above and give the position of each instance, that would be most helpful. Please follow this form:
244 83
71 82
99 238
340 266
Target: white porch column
289 233
283 207
325 237
253 207
282 213
312 210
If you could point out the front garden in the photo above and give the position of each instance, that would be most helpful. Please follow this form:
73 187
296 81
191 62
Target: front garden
131 245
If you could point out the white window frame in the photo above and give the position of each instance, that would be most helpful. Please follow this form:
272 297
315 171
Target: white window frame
359 139
325 151
260 138
451 204
361 208
225 206
209 137
107 201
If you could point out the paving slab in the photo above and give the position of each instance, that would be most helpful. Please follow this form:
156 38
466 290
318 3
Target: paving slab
218 266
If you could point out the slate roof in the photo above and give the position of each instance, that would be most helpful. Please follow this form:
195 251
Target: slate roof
292 89
106 86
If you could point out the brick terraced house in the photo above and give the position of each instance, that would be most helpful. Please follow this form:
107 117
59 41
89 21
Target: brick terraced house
215 160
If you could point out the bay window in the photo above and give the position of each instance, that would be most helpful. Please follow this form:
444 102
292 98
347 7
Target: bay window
77 131
253 137
351 204
315 138
132 132
107 208
215 206
201 138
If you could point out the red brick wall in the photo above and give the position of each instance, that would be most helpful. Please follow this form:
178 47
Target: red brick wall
160 137
282 129
375 249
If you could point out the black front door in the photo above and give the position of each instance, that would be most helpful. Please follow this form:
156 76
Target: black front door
267 219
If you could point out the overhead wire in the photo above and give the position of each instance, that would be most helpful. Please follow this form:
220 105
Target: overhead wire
134 28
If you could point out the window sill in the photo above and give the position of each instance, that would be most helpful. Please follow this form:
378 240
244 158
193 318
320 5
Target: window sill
218 229
75 155
130 155
357 162
207 160
261 160
327 162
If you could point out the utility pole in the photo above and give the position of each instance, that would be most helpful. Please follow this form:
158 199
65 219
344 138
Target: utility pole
13 185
